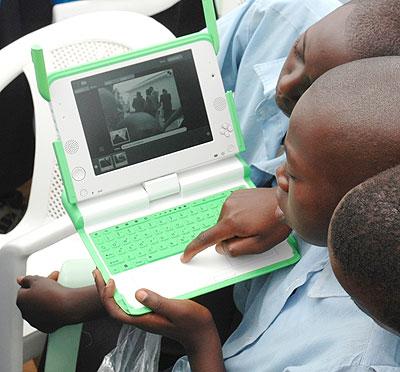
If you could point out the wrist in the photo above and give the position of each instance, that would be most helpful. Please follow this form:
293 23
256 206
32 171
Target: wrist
206 354
204 340
71 309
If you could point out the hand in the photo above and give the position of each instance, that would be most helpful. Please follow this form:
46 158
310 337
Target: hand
47 305
42 301
247 224
185 321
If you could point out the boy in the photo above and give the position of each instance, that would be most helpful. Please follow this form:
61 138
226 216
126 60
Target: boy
343 131
358 29
364 247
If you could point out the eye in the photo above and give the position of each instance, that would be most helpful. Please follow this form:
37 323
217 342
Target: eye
297 49
288 174
291 177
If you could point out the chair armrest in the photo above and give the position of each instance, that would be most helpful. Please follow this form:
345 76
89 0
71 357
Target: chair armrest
37 239
13 256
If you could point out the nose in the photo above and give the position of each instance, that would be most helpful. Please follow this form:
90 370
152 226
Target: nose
281 179
289 86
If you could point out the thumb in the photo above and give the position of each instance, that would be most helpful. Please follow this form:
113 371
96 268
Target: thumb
26 281
155 302
54 275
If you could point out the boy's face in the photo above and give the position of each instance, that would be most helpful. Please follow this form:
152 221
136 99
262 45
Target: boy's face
307 192
322 47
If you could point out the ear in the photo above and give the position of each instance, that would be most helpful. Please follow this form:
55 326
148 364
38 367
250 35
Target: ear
282 179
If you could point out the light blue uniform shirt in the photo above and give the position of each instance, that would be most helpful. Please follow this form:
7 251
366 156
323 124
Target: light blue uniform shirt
299 319
255 40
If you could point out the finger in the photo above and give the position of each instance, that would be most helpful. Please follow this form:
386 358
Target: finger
26 281
99 281
242 246
54 275
252 245
150 322
157 303
107 298
207 238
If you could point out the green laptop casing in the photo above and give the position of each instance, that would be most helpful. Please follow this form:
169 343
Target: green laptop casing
69 198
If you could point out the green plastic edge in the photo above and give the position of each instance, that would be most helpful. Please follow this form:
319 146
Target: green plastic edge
246 171
62 349
211 23
40 72
235 121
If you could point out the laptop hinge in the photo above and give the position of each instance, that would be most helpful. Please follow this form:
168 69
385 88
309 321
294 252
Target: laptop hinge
162 187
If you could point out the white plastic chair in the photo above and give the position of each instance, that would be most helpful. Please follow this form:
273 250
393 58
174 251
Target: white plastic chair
76 40
73 8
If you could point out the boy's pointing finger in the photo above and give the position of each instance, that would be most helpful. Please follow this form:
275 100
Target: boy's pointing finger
207 238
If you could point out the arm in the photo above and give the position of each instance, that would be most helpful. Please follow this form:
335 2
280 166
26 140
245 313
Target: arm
247 225
47 305
182 320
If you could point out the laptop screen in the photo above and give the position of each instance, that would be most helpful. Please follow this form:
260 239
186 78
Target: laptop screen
143 111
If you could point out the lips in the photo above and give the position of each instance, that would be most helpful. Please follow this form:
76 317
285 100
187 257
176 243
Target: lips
285 104
279 214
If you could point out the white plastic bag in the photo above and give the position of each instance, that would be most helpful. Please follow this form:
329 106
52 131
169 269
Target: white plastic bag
136 351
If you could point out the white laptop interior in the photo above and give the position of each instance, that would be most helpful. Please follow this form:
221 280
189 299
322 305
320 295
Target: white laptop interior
148 150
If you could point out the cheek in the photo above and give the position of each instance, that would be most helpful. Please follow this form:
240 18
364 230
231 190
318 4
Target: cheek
303 209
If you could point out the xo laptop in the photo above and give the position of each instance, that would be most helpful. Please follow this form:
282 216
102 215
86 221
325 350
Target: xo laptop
148 150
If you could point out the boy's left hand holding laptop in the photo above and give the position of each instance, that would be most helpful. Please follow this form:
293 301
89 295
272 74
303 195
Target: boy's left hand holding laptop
48 306
185 321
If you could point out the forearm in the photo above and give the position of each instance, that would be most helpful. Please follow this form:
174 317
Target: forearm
84 304
207 355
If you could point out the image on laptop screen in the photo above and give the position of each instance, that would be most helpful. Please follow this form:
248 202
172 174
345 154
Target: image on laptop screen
143 111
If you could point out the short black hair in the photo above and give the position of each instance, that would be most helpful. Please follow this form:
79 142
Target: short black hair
365 241
373 28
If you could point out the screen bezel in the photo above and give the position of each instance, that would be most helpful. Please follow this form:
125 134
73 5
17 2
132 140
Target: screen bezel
70 128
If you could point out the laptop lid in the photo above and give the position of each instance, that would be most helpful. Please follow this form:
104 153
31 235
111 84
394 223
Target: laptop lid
143 118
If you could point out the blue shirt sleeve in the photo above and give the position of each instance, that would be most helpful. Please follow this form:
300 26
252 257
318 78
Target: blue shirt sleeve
255 40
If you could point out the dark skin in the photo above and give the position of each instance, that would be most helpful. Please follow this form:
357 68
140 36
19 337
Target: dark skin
319 49
48 305
306 196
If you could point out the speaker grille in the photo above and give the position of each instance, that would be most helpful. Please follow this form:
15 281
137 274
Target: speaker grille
71 147
219 103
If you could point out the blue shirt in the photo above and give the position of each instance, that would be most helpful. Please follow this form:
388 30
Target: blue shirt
299 319
255 40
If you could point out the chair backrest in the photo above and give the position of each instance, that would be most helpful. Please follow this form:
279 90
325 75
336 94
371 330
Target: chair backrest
77 40
149 7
